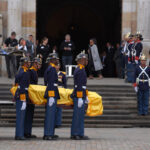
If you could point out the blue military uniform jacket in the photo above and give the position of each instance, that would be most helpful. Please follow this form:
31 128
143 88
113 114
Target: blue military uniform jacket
51 81
80 81
138 46
33 75
22 79
129 48
62 79
143 78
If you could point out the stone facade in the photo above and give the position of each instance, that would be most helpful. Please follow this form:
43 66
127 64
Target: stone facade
136 17
20 16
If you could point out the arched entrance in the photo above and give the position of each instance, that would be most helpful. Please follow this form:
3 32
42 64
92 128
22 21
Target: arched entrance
82 20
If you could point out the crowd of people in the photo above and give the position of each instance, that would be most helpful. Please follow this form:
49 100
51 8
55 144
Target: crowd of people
107 62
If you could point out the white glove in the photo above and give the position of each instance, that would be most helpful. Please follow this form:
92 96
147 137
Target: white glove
51 101
87 100
80 102
136 89
23 106
136 61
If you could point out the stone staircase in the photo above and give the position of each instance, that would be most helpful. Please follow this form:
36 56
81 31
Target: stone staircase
120 109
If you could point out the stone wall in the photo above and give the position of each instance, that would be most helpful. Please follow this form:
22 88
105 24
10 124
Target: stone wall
136 17
28 18
129 16
4 13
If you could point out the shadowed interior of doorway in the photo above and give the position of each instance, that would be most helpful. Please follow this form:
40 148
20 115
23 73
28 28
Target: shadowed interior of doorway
82 19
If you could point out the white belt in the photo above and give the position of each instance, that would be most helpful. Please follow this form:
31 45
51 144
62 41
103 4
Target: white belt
19 87
83 87
143 80
55 84
60 86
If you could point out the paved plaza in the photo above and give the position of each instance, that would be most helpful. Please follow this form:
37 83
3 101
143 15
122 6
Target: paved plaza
100 139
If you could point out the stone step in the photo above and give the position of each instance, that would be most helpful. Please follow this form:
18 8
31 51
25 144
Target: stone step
69 116
119 98
92 121
41 110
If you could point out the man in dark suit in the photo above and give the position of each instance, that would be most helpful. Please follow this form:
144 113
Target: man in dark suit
109 60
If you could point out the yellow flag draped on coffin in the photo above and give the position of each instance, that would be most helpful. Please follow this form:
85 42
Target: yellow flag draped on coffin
36 95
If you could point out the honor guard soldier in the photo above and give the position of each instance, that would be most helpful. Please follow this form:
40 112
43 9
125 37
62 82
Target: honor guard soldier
51 94
137 48
21 96
36 64
128 51
62 83
79 96
142 83
130 66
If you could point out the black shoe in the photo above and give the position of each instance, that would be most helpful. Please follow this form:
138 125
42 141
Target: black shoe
20 138
58 126
30 136
84 137
75 137
50 137
56 136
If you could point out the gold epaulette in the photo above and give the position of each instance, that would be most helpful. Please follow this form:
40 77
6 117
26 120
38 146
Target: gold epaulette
63 72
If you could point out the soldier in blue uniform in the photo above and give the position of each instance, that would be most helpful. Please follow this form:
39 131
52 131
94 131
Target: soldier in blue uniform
137 48
51 94
21 97
30 107
62 83
141 85
79 96
129 64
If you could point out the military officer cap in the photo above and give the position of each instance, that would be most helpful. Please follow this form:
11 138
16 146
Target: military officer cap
129 35
81 55
139 35
143 57
37 60
51 56
24 60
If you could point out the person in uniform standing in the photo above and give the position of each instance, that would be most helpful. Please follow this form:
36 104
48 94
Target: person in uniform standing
137 48
141 85
79 96
51 94
130 66
30 107
21 97
62 83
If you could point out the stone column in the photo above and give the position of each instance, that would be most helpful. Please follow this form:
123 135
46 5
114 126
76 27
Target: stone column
29 18
14 17
129 16
143 22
